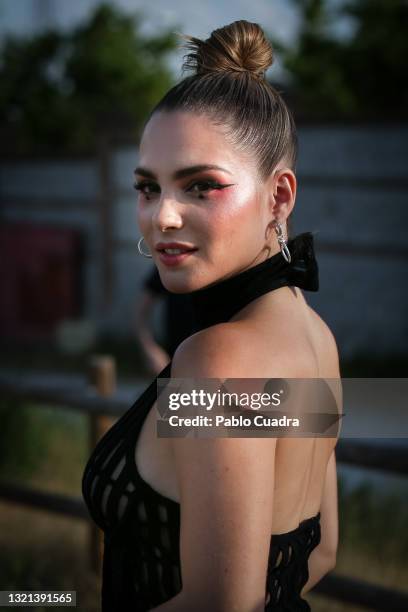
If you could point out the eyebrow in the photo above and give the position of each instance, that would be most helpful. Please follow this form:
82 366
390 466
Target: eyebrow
178 174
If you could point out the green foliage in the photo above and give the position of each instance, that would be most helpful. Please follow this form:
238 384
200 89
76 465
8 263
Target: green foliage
377 66
365 512
59 91
22 444
362 76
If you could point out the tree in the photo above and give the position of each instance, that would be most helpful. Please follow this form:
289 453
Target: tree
58 91
377 57
362 76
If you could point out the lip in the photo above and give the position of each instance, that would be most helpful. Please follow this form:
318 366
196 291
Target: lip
175 245
174 260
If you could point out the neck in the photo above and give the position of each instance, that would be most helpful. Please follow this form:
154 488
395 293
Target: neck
220 301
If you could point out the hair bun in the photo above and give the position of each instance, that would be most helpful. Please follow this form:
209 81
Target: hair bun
240 46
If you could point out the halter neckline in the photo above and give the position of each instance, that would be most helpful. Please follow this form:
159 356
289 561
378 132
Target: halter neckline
219 302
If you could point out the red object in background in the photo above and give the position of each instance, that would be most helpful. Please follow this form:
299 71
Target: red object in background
40 279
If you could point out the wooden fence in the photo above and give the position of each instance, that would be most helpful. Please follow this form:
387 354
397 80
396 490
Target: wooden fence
102 406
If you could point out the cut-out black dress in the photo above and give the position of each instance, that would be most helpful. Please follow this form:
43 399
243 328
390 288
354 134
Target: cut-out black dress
141 564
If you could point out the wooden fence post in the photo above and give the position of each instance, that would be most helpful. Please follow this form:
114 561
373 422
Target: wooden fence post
102 376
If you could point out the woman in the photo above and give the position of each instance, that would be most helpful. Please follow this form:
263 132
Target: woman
221 524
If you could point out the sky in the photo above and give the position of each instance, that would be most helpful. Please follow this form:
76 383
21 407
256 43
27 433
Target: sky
279 18
194 15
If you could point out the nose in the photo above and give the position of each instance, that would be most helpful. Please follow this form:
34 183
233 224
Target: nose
167 216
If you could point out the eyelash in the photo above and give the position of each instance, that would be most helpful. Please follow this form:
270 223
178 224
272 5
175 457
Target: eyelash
211 185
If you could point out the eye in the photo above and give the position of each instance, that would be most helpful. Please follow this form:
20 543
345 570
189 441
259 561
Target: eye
141 185
207 185
196 187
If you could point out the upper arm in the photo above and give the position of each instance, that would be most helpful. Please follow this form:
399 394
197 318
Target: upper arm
329 511
226 498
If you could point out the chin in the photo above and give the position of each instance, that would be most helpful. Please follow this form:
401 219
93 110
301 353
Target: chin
177 285
185 285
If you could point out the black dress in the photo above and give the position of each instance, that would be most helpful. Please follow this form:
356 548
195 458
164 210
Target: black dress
141 564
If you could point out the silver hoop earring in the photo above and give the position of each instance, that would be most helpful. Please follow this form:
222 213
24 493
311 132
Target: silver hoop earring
139 248
283 246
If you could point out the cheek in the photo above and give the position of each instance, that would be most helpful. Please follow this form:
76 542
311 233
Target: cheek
143 217
234 214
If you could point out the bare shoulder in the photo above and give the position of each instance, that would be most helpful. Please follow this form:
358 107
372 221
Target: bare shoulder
209 352
325 329
327 345
236 350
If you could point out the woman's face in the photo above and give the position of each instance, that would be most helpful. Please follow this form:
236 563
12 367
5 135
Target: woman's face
223 214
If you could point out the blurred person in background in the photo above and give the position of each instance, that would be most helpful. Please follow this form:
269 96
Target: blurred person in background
177 321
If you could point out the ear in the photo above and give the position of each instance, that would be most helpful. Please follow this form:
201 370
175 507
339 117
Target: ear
283 193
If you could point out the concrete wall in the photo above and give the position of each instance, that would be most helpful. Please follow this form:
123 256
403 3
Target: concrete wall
352 191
